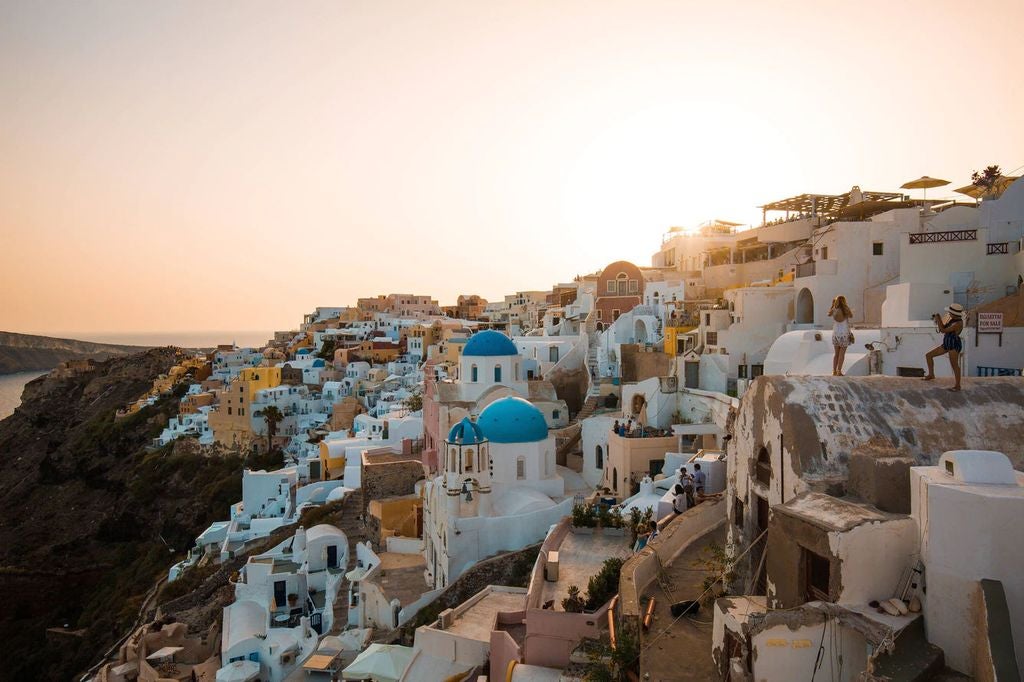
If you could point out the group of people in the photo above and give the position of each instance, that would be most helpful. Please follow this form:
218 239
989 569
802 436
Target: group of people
683 491
950 326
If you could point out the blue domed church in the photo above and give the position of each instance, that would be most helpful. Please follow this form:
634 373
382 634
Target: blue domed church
497 487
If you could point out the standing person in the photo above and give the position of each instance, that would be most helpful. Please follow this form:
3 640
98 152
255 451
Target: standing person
615 427
950 329
700 479
842 337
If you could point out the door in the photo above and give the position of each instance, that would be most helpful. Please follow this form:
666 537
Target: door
316 621
280 593
314 470
332 556
692 375
757 555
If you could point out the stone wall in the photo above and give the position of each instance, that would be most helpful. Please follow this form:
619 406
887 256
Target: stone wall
638 365
389 476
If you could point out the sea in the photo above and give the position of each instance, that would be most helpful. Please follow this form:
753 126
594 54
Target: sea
11 385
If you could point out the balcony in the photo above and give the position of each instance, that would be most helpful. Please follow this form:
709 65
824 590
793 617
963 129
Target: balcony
940 237
997 248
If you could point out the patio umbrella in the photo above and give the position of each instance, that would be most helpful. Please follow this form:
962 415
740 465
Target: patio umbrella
976 192
924 182
239 671
380 663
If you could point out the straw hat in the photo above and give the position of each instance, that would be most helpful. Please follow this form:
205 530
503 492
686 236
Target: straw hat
956 310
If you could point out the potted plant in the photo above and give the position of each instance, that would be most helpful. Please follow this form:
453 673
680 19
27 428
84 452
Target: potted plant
574 602
583 520
613 523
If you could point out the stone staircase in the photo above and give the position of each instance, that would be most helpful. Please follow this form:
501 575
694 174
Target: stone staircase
589 407
913 658
352 525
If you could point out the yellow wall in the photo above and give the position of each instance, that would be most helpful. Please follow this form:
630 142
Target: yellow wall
259 378
397 516
333 467
671 333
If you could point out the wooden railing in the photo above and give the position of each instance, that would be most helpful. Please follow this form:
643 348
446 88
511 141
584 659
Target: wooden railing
949 236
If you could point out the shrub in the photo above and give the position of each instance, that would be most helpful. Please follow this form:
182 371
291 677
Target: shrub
605 584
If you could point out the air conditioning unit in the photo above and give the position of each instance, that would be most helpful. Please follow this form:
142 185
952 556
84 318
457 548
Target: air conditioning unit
669 384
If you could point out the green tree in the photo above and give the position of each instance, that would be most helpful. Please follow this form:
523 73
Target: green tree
987 178
414 403
272 416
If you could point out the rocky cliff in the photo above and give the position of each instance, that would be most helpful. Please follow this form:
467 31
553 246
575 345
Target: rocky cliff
90 517
26 352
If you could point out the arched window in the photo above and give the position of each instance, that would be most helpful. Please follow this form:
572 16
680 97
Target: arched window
615 479
497 373
473 374
467 460
763 470
520 467
599 457
621 284
452 455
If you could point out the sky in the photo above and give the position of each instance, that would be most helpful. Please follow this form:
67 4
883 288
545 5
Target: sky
171 166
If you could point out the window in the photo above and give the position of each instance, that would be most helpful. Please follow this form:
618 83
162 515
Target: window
711 338
467 461
621 284
553 354
555 414
763 469
229 409
634 286
742 372
737 513
756 371
241 411
824 253
611 286
817 575
877 248
520 468
599 453
599 314
473 374
615 314
497 373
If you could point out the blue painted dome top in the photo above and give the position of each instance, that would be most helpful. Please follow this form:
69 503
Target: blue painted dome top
466 432
318 363
303 351
489 342
513 420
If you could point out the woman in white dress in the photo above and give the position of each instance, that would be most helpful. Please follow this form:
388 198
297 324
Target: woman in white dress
842 337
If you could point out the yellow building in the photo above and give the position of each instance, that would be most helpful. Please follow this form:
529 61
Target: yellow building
332 460
675 339
396 517
232 420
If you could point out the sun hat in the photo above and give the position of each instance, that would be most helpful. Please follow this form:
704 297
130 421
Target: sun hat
956 310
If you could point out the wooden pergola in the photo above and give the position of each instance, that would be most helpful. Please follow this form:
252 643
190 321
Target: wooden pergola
823 204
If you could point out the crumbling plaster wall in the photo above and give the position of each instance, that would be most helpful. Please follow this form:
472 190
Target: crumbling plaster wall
810 426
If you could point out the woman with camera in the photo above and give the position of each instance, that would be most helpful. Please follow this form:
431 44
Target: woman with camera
950 328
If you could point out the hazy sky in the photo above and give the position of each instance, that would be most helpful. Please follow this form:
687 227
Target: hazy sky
231 165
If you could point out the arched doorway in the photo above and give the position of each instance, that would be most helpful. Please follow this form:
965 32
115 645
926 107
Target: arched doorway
599 457
640 331
805 307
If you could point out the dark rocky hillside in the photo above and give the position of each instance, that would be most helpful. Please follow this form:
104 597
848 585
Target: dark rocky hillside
26 352
85 510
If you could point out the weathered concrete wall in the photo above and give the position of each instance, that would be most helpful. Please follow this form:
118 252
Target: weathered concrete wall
570 386
642 568
811 426
881 477
638 365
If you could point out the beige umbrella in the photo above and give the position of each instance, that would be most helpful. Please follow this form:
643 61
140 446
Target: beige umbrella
924 182
977 192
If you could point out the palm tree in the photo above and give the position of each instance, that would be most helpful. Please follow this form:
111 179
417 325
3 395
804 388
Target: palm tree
272 416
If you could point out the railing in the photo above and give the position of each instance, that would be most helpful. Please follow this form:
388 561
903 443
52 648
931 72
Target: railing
999 372
997 247
949 236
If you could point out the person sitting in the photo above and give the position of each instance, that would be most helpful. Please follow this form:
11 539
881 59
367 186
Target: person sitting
679 499
615 427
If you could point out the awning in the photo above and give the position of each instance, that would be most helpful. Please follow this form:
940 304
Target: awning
976 192
166 652
321 662
380 663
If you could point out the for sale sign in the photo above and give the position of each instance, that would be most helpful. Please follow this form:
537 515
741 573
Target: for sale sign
990 323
